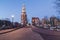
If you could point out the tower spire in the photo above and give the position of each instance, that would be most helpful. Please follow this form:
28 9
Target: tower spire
23 9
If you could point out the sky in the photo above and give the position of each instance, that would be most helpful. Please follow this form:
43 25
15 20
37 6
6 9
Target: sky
34 8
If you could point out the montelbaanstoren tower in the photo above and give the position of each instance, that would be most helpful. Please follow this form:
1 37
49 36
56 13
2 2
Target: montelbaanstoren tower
24 16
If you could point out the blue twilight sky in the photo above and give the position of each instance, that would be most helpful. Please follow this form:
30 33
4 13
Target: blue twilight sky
34 8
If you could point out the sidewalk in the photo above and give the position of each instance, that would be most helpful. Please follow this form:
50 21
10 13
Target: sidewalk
7 30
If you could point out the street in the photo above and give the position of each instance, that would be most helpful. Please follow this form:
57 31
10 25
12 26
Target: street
21 34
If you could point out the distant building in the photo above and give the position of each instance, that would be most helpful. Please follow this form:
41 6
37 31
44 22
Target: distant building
44 21
53 21
24 16
35 21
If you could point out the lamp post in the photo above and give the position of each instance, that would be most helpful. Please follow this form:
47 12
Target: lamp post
12 19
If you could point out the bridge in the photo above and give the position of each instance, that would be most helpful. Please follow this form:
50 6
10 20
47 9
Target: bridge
21 34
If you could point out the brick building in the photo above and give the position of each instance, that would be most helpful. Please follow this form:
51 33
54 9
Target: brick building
35 21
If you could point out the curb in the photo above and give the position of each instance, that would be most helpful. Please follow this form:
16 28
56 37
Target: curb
9 31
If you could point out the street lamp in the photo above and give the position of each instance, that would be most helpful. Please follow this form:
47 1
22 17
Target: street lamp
12 18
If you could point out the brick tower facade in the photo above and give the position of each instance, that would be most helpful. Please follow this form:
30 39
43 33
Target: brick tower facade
24 16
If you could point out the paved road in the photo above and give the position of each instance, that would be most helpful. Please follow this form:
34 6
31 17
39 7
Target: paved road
21 34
